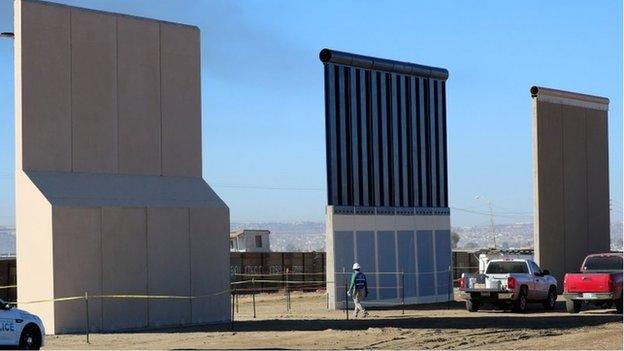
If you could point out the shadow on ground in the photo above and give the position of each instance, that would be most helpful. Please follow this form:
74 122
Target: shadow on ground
486 318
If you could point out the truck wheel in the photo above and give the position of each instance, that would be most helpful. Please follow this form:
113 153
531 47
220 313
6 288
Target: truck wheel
30 338
573 306
618 305
551 300
473 305
520 305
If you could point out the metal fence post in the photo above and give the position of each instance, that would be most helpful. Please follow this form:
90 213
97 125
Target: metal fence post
346 302
232 307
403 291
86 296
450 288
253 295
286 292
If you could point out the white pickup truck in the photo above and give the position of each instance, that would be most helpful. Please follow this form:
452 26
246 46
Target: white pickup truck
20 329
506 282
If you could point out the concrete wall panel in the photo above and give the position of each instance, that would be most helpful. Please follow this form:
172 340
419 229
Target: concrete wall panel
574 187
168 253
35 263
181 100
424 245
443 261
386 264
94 91
77 266
124 266
365 250
343 262
550 188
407 262
209 235
42 33
597 181
138 77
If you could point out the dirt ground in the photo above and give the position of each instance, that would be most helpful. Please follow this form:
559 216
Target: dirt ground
308 325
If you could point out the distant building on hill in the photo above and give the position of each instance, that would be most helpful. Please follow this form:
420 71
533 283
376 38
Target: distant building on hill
250 240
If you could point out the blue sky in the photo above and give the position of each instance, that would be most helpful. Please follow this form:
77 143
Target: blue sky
262 90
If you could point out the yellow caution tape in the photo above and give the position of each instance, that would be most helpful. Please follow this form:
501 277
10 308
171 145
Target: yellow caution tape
124 296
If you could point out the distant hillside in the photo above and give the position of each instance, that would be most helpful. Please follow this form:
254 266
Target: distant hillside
7 240
310 236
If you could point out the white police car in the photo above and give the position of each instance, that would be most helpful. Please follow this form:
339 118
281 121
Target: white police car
19 328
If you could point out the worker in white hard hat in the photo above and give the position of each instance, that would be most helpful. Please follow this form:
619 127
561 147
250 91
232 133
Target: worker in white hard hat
358 289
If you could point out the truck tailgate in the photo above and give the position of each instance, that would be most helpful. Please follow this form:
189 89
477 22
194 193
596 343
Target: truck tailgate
587 282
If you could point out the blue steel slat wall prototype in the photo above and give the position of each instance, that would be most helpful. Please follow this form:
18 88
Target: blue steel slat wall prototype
386 132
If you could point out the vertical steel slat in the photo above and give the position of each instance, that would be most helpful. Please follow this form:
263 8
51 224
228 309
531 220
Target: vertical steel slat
364 150
445 145
332 170
423 144
395 144
441 167
404 143
355 155
432 143
384 141
375 132
414 137
344 180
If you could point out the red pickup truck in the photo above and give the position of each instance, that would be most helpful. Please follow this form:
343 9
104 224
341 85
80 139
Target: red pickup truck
599 282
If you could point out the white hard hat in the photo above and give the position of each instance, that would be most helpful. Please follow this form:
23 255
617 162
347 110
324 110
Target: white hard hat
356 266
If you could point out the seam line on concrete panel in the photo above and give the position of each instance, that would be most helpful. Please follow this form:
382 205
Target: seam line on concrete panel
354 233
586 183
147 287
376 259
435 263
396 260
563 180
201 148
190 265
160 94
117 86
102 261
71 98
415 248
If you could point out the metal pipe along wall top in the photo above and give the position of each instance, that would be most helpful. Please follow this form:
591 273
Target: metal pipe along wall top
380 64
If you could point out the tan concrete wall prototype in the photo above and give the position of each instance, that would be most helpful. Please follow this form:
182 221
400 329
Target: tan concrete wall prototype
124 266
109 194
108 93
169 266
571 178
138 74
